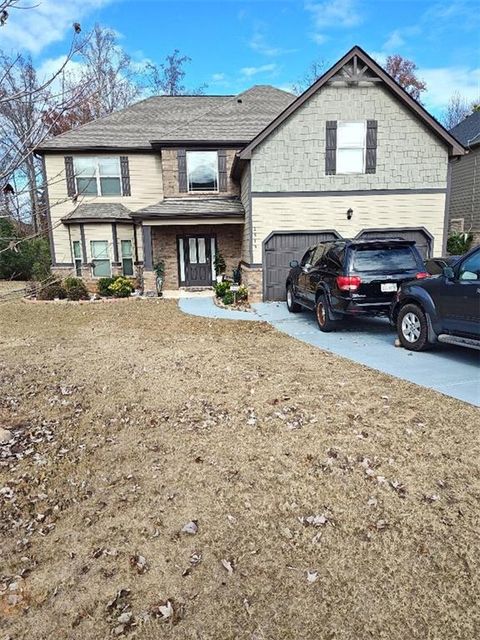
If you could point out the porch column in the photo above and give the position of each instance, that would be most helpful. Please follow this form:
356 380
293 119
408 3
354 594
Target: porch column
147 248
149 279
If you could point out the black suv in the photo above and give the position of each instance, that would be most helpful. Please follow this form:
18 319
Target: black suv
444 307
351 277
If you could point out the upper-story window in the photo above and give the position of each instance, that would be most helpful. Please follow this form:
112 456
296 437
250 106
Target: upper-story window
351 139
202 170
98 176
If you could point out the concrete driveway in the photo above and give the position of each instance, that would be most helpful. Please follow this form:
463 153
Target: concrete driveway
454 371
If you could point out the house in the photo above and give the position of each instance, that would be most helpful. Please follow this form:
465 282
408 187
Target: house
256 177
464 185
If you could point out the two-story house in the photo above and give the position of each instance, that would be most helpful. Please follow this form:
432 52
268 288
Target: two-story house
257 177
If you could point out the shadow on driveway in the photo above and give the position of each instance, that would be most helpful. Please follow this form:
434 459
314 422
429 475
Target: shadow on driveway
454 371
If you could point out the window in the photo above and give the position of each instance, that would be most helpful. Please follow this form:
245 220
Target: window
307 258
100 258
351 147
77 257
202 170
127 258
197 251
98 176
470 269
384 260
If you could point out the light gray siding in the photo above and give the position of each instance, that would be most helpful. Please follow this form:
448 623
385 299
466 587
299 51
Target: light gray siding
465 192
292 158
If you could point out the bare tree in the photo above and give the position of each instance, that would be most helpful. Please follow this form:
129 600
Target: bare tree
313 73
404 72
457 109
167 77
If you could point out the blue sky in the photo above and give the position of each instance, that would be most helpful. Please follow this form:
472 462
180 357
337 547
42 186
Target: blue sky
236 43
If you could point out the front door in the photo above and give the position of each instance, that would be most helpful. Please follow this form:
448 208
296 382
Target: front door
198 261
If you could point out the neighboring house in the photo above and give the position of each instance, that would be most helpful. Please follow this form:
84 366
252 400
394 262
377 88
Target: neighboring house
464 193
257 177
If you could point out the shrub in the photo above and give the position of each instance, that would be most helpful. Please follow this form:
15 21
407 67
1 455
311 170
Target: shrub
104 284
221 288
459 243
228 298
219 263
51 291
122 287
75 288
30 259
242 293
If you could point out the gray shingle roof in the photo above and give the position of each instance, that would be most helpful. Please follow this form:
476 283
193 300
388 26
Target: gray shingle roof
98 211
172 118
193 208
468 131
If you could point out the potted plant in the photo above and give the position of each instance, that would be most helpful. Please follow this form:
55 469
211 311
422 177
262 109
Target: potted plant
220 266
159 269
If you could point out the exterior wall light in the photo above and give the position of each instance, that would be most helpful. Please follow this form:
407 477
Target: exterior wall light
349 214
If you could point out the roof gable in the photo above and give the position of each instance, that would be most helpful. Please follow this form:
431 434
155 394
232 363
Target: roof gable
357 66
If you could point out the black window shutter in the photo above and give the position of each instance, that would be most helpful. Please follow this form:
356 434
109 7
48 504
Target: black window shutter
371 150
182 170
222 170
125 172
70 176
331 147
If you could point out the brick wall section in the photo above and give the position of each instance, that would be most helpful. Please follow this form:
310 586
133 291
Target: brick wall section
164 241
252 278
170 176
292 158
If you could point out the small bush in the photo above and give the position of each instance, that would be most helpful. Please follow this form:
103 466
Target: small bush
121 288
242 293
221 288
459 243
228 298
75 288
51 291
104 284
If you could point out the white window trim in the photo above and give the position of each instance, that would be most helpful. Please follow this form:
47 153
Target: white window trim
96 160
351 146
217 190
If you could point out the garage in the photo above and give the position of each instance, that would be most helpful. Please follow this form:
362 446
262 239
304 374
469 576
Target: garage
423 240
282 247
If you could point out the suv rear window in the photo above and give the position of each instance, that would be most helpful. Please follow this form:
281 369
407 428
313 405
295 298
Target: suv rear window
384 260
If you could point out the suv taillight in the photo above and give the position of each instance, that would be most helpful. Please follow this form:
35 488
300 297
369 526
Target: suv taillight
348 283
422 274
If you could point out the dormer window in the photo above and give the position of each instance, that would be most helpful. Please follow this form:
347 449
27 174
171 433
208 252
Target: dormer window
98 176
202 171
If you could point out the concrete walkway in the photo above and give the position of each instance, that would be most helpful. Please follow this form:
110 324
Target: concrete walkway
453 371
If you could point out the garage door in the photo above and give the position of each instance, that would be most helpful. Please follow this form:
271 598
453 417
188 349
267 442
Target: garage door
280 249
423 240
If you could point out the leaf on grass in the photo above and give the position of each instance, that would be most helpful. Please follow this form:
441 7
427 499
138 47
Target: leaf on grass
228 566
190 528
312 576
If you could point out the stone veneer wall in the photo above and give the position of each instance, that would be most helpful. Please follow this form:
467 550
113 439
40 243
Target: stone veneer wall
164 241
252 278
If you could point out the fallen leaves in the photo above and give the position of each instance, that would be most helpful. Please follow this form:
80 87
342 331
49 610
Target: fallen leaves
191 527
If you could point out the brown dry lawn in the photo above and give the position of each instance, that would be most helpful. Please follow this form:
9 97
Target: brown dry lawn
132 419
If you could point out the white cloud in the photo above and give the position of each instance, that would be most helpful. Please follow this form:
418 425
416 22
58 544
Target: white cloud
394 41
342 14
218 77
259 44
443 82
253 71
31 30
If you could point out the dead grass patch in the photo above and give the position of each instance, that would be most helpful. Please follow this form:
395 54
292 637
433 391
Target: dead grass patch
331 501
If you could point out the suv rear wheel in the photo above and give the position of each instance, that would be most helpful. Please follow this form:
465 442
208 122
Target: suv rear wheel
292 306
323 318
412 328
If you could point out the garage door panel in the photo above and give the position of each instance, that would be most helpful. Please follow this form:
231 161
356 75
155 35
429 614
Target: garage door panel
423 242
280 249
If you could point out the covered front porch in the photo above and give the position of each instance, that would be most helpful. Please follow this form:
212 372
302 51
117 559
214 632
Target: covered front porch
186 235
